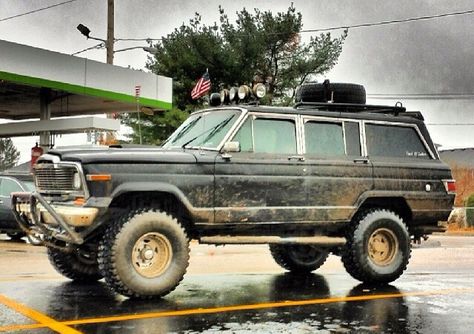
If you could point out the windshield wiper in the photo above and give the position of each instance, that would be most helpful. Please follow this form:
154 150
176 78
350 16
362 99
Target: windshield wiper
212 131
183 131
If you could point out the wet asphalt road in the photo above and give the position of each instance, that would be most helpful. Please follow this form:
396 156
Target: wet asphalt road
238 289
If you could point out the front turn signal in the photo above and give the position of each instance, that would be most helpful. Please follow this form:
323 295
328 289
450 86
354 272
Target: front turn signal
98 177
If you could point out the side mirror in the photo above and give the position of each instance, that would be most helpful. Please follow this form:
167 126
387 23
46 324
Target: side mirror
231 146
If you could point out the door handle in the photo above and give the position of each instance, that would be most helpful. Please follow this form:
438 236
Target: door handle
361 161
296 157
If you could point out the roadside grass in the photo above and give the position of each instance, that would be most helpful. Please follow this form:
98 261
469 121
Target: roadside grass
455 228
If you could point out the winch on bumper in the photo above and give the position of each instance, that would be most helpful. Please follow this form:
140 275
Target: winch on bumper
43 221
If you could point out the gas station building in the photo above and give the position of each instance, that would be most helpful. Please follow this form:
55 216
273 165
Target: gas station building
41 86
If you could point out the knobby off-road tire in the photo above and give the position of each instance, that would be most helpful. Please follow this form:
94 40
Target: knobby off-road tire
378 247
298 258
339 92
80 265
144 254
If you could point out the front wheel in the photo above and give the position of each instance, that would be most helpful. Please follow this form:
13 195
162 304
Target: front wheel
144 254
377 248
79 265
298 258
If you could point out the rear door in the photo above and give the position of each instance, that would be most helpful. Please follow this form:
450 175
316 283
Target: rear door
337 171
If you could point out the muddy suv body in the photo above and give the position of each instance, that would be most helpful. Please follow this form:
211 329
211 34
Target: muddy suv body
356 180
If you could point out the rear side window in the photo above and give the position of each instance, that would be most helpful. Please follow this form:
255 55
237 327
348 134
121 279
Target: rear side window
332 138
324 138
267 135
394 141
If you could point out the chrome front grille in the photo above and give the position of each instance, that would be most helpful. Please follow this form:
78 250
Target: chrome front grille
56 178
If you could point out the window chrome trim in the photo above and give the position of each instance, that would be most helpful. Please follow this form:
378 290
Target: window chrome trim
363 140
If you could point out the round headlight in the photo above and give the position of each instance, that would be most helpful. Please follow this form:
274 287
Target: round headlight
233 93
244 92
76 181
259 90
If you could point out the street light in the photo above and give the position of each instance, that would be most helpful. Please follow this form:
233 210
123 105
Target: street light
86 32
109 45
109 42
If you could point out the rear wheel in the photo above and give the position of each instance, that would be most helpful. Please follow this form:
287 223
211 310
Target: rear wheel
144 254
377 248
79 265
298 258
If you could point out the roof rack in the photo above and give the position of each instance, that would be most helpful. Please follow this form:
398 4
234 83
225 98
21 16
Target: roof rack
354 107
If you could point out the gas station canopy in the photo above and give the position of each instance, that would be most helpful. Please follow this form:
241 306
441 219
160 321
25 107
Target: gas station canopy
32 79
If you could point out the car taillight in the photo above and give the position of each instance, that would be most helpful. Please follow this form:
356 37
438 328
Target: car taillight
450 186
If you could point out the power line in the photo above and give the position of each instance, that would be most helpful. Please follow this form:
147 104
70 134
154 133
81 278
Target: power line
422 96
412 19
362 25
97 46
36 10
138 39
450 124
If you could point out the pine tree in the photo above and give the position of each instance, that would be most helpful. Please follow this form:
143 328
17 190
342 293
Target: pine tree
259 44
9 155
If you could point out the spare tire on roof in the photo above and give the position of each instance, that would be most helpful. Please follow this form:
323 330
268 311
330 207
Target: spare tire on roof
331 92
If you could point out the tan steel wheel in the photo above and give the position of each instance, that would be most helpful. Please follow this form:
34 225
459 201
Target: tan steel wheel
382 247
152 254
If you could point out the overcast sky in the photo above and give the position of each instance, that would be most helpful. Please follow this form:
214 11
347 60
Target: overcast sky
422 57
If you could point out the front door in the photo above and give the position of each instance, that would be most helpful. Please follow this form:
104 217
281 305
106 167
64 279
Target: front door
264 181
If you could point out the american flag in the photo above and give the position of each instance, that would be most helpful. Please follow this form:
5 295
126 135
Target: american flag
202 86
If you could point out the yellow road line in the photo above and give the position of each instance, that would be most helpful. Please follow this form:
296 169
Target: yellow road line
248 307
43 319
32 278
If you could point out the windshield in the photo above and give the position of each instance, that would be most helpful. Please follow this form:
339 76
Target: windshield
30 186
204 130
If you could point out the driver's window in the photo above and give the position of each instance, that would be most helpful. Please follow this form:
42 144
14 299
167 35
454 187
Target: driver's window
267 135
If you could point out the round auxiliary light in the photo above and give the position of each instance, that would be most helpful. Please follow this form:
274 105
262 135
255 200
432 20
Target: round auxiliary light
244 92
225 96
259 90
215 99
233 93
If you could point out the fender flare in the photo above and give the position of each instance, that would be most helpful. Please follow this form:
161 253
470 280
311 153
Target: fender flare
163 187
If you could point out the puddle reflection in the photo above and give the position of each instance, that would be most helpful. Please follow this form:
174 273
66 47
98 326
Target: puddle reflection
70 301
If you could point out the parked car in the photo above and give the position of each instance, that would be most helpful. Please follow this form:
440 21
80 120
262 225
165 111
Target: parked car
338 176
12 183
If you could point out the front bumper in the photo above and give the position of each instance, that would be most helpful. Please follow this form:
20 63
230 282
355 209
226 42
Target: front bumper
39 219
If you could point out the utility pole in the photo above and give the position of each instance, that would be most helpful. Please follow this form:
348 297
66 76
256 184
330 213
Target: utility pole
109 45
